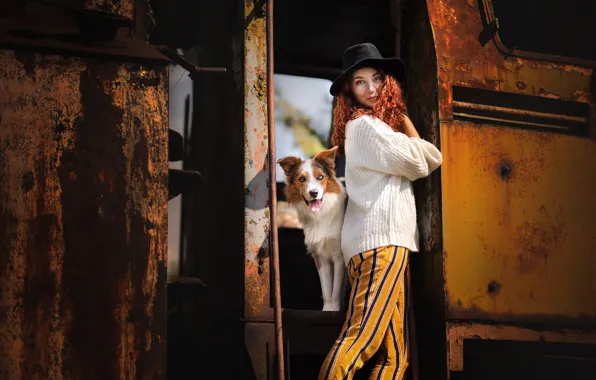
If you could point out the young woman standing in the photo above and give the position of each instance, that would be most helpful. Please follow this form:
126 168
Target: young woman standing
384 154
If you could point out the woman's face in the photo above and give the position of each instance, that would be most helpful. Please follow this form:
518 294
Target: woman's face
365 85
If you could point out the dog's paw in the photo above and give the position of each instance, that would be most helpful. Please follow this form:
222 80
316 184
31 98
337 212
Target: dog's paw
331 307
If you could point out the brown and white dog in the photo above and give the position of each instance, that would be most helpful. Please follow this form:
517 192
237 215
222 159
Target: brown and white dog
319 198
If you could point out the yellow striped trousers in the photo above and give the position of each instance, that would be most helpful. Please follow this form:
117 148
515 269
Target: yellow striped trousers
375 317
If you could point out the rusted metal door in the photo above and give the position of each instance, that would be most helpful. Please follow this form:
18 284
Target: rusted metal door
83 201
517 221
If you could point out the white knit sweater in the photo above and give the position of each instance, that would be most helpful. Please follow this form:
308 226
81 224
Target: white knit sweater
380 167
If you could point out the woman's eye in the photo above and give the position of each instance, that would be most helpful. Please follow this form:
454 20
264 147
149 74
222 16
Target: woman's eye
359 82
320 177
302 179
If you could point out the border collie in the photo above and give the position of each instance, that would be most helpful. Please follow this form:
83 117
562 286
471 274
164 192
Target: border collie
319 198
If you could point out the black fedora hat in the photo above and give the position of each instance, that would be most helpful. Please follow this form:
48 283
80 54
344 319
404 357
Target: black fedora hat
363 55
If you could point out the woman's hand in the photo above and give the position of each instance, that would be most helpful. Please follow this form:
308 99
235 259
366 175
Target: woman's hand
409 129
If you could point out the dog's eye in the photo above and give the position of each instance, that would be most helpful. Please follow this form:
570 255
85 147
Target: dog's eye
302 179
320 177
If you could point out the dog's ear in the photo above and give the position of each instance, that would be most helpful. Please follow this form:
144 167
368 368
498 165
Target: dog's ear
327 157
289 164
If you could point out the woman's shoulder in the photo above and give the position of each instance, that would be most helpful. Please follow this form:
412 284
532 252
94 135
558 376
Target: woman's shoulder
364 120
368 121
356 120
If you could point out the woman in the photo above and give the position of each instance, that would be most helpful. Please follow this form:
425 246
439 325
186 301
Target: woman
384 154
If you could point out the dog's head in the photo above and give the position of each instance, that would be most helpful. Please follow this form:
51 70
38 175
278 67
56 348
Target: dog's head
308 181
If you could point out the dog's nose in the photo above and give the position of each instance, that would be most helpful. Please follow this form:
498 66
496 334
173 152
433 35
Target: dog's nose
314 193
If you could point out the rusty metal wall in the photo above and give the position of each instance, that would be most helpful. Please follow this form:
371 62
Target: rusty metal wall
83 217
517 215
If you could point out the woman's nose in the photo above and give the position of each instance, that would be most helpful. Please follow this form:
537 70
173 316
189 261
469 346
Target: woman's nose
372 87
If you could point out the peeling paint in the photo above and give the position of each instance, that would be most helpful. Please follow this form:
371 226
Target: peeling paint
256 181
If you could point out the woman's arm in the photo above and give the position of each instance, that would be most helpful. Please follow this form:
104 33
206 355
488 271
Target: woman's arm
409 129
375 146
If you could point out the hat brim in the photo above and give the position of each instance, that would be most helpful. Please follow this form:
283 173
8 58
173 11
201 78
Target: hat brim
393 66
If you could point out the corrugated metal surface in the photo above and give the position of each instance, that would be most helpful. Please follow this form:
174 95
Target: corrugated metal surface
83 217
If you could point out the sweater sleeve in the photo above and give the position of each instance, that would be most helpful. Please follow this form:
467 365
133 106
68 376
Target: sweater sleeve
375 146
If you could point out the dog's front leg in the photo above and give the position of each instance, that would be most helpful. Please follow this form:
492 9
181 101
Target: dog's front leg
338 282
325 270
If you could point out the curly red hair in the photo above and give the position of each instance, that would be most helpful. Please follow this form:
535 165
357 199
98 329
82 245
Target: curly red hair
390 108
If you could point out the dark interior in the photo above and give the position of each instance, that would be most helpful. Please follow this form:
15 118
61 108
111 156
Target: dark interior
310 41
554 27
516 360
310 38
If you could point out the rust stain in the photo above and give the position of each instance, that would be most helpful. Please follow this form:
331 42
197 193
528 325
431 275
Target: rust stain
118 7
257 268
520 85
505 168
536 244
542 92
83 203
494 287
257 286
581 96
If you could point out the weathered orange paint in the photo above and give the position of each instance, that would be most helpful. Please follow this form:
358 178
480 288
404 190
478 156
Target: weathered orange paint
83 219
516 211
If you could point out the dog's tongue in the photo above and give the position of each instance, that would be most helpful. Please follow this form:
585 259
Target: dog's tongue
315 205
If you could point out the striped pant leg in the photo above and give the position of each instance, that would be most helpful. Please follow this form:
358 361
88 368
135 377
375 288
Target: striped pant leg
393 361
374 277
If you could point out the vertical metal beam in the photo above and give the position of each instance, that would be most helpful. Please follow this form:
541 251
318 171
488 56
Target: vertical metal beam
257 166
279 340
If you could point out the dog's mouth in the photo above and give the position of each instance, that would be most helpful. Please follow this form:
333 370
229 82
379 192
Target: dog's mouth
314 204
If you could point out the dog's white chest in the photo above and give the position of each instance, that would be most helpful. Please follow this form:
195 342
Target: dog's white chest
322 230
